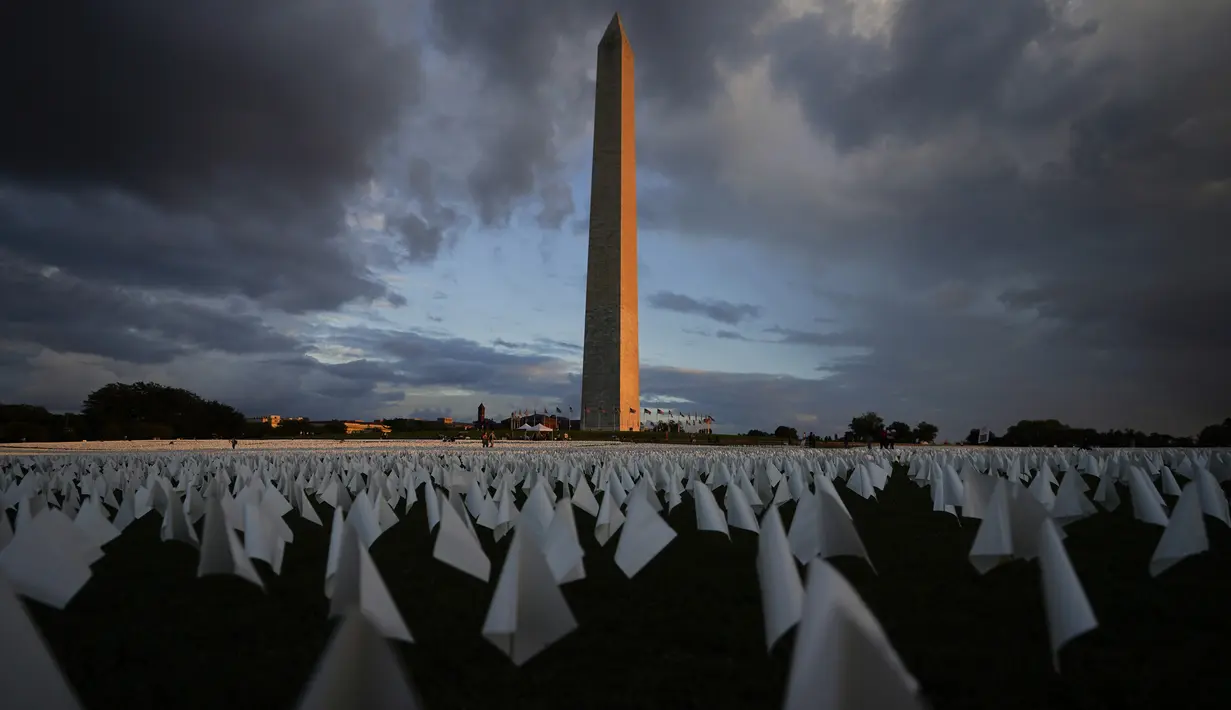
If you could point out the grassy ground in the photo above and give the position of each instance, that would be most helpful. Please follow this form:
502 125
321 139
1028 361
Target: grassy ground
685 633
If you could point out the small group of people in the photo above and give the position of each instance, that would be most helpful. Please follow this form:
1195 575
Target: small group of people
488 438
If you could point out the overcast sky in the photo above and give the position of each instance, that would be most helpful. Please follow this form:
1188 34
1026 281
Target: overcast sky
959 211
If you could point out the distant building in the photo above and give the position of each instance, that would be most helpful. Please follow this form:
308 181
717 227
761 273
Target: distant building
447 421
273 420
482 414
357 427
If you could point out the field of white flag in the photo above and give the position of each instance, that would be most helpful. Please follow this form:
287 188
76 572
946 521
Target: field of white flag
545 575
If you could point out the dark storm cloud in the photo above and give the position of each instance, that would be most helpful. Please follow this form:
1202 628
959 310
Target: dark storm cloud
206 143
715 310
722 335
950 366
1119 233
422 239
790 336
69 315
430 413
675 44
943 59
417 360
115 240
557 205
542 346
423 234
1147 150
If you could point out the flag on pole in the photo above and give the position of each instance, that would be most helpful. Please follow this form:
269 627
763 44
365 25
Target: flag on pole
558 410
648 412
631 410
570 409
660 411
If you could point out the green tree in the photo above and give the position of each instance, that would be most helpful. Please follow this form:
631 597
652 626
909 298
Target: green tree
867 425
1216 434
334 426
973 438
257 430
26 422
148 409
671 427
902 433
757 432
786 432
925 432
295 427
1051 432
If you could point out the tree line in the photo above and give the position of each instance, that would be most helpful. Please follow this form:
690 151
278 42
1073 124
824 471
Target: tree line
865 427
142 410
147 410
1028 432
1050 432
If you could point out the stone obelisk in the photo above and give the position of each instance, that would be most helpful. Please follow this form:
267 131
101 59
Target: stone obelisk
611 366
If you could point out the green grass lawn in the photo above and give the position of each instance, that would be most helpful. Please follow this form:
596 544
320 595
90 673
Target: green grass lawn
685 633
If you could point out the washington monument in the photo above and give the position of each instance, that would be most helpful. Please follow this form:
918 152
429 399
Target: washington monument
611 366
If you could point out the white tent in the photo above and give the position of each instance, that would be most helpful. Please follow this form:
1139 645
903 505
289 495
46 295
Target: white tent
540 427
526 427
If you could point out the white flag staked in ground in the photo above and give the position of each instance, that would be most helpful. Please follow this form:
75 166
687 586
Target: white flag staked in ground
457 546
805 534
609 517
528 612
359 671
562 548
709 515
1185 533
1068 610
739 511
358 585
782 592
842 659
221 550
584 498
838 535
42 562
993 545
644 536
29 674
